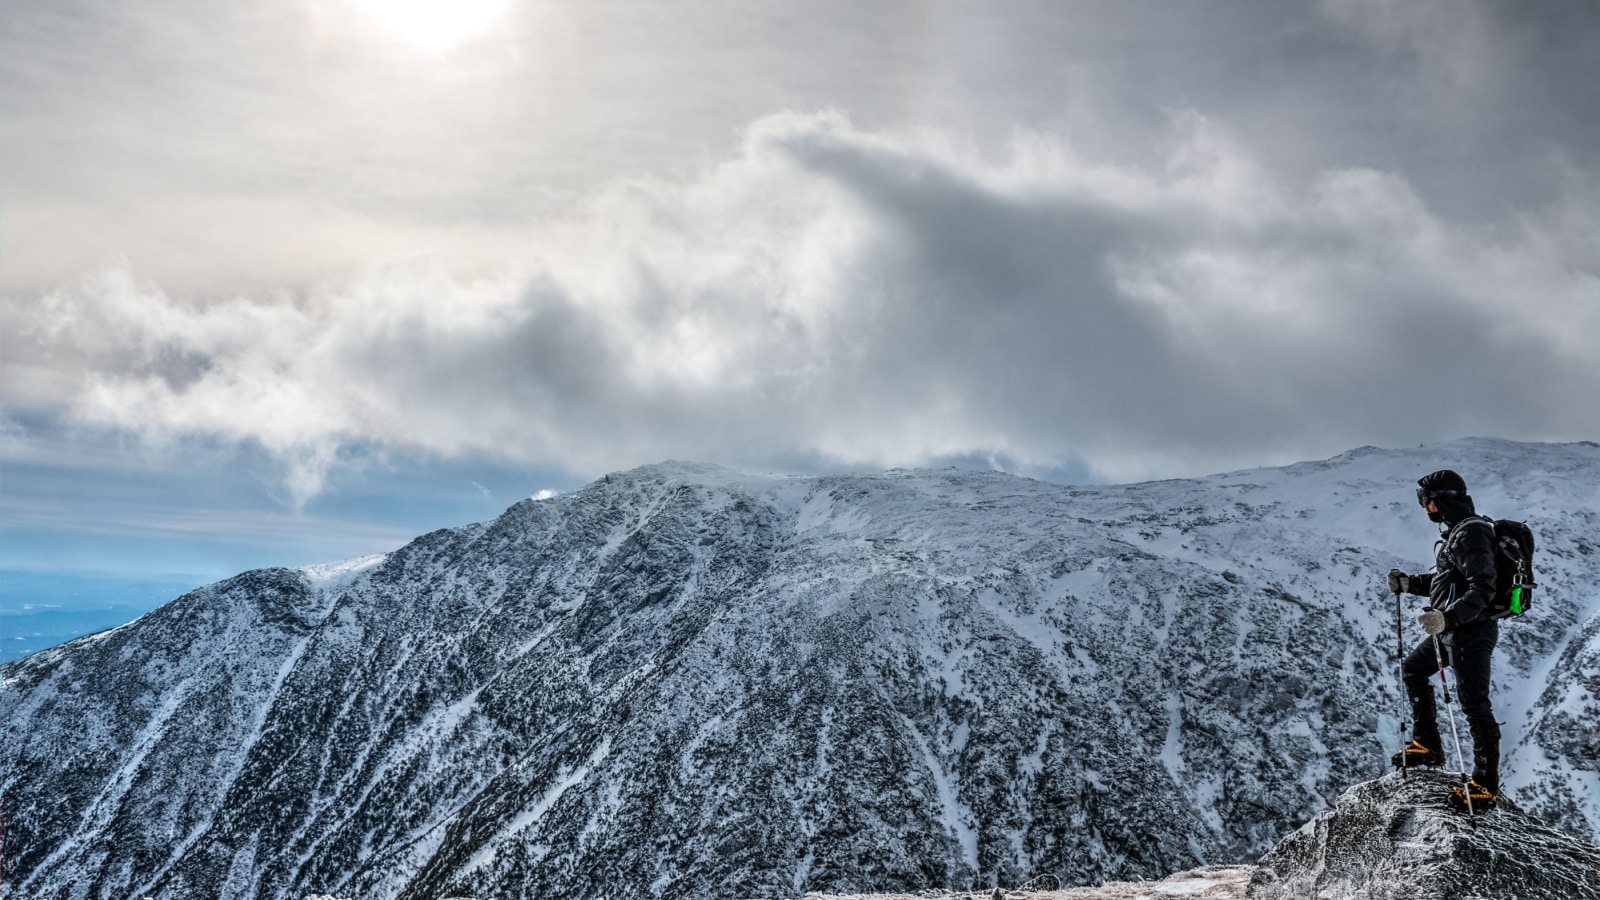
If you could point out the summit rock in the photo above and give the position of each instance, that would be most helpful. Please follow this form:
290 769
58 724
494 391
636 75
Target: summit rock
1398 837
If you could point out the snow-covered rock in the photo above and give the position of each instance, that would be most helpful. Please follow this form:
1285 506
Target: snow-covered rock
1199 883
682 680
1398 837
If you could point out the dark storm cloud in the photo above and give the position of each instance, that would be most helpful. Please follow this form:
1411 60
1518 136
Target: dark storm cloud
882 298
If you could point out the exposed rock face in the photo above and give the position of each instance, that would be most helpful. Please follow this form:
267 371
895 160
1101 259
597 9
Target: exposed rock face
681 681
1397 837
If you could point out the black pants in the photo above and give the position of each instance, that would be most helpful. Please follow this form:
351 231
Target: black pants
1467 651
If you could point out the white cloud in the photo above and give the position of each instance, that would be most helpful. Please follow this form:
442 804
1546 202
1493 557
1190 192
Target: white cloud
883 298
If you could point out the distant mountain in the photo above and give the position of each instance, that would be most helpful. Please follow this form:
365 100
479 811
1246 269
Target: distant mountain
682 680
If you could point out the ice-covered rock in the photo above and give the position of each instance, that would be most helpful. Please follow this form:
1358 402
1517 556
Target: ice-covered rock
1398 837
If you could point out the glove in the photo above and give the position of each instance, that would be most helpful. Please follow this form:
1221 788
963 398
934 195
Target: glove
1432 621
1399 582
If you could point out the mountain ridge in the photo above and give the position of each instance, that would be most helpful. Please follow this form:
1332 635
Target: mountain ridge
682 678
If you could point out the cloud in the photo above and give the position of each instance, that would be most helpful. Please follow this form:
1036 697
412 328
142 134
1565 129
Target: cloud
880 297
1459 41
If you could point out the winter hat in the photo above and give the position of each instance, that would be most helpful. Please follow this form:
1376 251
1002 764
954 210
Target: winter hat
1448 491
1441 481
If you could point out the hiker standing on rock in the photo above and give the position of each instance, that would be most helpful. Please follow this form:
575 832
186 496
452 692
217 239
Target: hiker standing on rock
1459 590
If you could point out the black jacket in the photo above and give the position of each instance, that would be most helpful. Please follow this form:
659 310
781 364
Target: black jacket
1462 582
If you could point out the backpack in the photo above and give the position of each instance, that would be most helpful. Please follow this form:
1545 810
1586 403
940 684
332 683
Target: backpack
1513 568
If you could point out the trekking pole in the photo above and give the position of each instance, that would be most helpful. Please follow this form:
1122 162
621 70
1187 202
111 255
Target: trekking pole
1449 710
1405 704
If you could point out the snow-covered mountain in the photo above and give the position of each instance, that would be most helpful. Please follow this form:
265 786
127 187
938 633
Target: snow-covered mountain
682 680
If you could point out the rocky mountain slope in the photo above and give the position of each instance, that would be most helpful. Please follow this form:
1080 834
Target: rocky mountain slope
683 681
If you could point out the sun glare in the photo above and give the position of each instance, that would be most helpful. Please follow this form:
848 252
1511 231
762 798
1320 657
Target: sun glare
434 25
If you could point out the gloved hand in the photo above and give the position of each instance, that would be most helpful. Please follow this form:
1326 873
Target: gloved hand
1399 582
1432 620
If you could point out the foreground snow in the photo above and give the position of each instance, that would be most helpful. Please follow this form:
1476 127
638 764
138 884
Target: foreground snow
1203 883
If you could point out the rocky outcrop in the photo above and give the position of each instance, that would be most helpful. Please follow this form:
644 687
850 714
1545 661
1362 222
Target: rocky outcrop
1397 838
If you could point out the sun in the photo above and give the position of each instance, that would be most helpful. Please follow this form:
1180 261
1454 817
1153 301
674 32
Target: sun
434 25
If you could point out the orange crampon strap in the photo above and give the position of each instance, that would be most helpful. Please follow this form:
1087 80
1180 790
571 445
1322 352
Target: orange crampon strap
1478 791
1474 798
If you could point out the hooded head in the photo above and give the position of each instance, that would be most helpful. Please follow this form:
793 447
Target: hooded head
1448 491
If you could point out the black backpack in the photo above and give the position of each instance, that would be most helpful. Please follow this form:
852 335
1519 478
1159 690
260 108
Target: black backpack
1513 568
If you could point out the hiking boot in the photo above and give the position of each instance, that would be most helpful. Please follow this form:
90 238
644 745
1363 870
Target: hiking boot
1415 755
1483 799
1486 753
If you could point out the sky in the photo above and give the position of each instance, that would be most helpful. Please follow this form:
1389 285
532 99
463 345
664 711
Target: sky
293 281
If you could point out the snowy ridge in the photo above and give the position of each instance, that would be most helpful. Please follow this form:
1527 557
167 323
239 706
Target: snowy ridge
683 680
329 577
